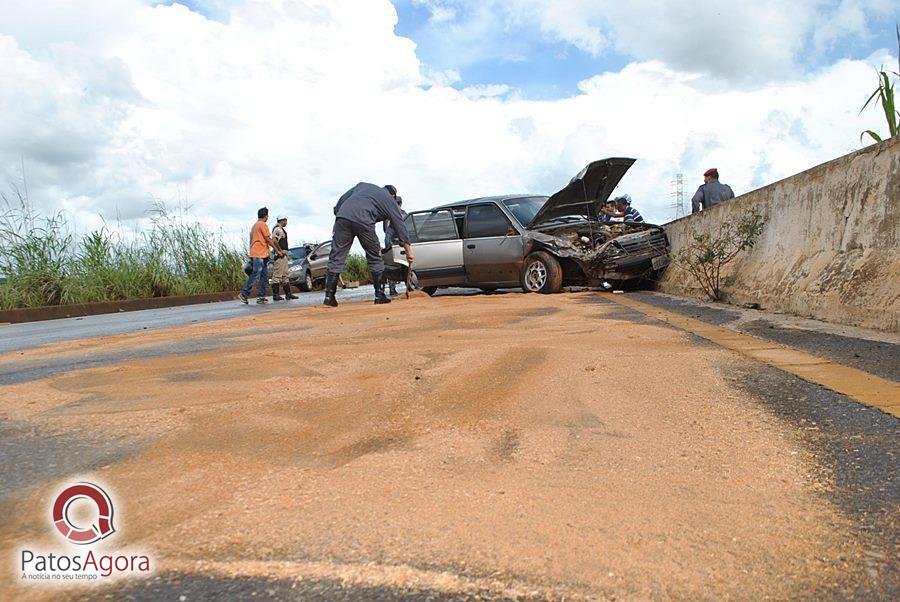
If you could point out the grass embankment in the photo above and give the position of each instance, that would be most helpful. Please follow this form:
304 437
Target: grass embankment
44 262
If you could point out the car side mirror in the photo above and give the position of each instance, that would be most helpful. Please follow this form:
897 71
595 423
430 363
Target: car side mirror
314 256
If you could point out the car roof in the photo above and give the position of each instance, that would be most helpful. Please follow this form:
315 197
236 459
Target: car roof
487 199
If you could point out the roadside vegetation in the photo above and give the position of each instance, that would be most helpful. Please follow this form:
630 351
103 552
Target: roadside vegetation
708 252
356 269
44 262
884 95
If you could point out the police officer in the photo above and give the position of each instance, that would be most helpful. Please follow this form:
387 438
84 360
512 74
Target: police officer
711 193
356 213
390 237
281 274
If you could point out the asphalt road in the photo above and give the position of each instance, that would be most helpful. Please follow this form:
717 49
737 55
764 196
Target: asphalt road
15 337
31 334
500 446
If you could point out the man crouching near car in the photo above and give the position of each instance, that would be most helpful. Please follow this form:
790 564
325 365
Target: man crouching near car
356 213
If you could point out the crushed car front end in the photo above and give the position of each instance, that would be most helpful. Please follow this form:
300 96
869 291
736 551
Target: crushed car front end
592 252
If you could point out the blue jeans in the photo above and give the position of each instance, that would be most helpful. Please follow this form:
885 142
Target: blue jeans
261 271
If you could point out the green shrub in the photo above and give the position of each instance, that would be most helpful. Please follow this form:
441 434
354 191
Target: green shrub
356 268
709 251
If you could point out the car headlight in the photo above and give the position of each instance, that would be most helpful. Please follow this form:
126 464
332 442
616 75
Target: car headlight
295 268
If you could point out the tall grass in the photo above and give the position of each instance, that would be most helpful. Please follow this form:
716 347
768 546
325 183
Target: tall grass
45 263
356 269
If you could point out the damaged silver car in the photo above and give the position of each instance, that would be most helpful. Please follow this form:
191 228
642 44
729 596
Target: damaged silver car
536 242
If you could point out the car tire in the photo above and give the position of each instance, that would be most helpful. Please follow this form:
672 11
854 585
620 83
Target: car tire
541 273
306 284
430 290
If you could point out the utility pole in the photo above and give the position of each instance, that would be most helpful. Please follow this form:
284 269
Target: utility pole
677 195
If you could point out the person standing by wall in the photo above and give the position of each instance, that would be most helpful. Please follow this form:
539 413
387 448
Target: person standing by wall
711 193
260 241
281 276
356 213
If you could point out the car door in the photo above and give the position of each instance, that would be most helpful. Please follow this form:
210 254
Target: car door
437 247
318 260
493 247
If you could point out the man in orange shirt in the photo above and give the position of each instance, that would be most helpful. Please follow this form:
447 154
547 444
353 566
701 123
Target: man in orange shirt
260 241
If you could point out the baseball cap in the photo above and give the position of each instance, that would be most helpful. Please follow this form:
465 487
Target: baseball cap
281 217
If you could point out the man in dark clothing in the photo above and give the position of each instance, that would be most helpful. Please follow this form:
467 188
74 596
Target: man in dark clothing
356 213
390 238
711 193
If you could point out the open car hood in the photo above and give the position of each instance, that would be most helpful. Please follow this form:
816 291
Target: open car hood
586 193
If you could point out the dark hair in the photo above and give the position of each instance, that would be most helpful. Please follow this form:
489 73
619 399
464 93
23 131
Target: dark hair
391 188
263 211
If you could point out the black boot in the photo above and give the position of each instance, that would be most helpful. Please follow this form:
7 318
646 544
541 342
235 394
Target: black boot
287 291
275 295
331 282
392 287
379 289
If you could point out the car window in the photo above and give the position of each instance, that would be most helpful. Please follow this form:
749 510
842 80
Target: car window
525 209
410 229
324 250
435 226
486 220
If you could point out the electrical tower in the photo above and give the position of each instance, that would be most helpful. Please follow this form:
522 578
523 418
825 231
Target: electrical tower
677 195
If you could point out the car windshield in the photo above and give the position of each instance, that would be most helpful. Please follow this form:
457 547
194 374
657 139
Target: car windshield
525 209
297 252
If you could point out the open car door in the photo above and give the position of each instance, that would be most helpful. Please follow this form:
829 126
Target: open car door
437 247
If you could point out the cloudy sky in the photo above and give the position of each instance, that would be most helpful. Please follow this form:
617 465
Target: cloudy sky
227 105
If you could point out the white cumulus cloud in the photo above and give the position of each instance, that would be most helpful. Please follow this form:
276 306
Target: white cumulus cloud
290 102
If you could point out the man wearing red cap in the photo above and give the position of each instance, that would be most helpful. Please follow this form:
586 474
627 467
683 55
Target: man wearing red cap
711 193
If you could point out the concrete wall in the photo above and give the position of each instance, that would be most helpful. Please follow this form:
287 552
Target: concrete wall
831 247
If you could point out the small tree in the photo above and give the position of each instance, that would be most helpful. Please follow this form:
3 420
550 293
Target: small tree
708 252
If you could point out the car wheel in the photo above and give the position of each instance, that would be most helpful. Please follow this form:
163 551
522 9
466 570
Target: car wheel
307 283
431 290
541 273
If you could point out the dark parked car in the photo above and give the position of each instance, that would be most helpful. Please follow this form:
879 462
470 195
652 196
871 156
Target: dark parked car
308 264
539 243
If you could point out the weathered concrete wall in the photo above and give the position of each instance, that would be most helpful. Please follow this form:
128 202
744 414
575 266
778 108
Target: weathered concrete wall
831 247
